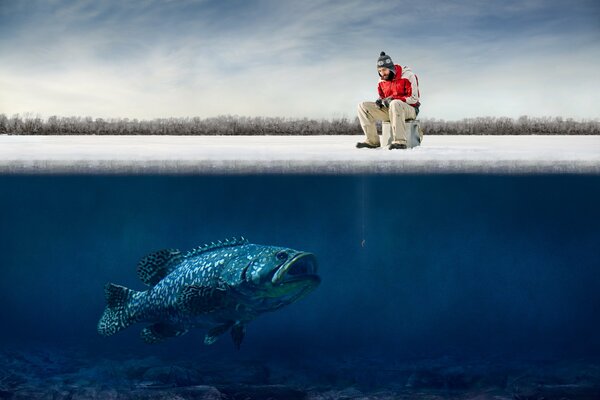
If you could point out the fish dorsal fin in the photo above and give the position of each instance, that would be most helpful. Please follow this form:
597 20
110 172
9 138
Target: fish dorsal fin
217 245
155 266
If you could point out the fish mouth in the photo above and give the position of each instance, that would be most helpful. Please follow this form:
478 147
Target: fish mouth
301 268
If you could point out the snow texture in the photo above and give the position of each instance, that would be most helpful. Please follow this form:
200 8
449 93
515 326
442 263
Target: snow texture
295 154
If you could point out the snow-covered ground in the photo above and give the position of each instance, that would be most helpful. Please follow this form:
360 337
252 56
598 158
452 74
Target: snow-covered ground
296 154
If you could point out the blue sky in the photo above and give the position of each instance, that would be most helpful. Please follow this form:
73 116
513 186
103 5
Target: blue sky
316 59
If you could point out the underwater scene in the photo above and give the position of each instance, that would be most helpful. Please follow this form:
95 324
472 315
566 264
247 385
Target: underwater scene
300 287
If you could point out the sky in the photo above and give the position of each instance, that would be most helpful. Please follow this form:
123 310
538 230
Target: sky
316 59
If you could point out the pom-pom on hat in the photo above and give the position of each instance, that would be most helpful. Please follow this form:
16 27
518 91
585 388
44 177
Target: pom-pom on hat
385 61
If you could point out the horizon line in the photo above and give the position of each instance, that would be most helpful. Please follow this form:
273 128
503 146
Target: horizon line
32 115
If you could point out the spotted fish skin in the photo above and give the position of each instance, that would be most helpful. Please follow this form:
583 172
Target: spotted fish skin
220 287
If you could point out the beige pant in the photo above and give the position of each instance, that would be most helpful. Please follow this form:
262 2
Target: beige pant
399 111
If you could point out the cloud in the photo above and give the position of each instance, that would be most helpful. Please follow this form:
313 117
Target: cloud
315 59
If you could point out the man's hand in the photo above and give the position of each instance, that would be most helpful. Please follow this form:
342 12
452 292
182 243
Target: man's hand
384 102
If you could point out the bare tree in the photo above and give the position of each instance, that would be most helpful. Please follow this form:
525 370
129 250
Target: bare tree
239 125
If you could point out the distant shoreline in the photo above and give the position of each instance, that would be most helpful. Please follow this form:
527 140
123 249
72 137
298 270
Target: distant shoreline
275 126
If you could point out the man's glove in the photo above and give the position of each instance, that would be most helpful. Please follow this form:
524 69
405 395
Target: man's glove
384 102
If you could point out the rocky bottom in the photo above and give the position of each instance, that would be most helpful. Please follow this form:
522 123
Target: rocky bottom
46 374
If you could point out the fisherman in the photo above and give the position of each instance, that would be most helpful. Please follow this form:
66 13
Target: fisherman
398 101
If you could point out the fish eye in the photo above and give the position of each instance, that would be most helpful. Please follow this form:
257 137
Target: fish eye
282 255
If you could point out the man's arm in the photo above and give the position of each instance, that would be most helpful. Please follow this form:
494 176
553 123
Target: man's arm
380 91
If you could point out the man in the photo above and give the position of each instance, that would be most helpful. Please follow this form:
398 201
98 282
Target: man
398 101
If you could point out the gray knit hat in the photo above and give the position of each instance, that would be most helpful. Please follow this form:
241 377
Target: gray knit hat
385 61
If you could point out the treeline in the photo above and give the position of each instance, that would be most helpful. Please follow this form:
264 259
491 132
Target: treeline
222 125
236 125
523 125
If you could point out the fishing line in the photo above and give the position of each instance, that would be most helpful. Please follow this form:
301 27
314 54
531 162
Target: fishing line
362 211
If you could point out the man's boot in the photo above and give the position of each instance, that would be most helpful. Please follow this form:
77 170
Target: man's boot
367 145
397 146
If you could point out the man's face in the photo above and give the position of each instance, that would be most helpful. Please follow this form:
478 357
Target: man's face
384 72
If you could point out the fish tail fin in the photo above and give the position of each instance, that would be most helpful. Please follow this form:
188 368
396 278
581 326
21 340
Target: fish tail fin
116 315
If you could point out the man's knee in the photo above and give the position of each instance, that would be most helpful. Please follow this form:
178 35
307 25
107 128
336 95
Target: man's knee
363 105
396 105
363 108
401 109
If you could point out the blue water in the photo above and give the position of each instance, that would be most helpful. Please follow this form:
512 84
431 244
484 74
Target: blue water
411 266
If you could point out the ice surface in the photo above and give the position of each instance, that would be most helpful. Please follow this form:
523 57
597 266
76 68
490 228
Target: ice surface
296 154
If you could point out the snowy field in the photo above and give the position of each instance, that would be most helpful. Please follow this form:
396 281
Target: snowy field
296 154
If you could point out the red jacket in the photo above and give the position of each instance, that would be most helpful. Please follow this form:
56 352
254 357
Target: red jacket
404 86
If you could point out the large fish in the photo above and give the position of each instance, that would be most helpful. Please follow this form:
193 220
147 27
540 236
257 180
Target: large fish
219 286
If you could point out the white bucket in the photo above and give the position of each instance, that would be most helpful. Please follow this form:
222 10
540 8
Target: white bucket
413 133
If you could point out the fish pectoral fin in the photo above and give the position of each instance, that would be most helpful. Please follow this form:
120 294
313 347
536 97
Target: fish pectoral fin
155 266
197 299
160 331
213 334
238 331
